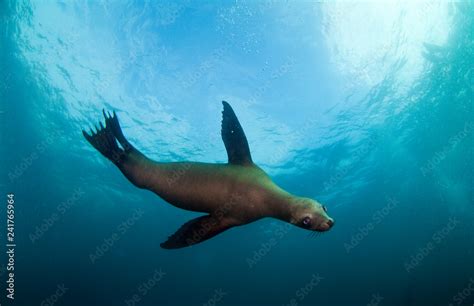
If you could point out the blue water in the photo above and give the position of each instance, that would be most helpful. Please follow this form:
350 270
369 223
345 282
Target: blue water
366 107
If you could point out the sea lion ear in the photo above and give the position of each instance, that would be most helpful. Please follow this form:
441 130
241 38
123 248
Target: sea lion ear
196 231
233 135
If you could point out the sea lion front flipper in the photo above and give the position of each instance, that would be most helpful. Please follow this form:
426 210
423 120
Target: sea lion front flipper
234 138
196 230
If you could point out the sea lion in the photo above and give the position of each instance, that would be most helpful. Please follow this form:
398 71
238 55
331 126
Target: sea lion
232 194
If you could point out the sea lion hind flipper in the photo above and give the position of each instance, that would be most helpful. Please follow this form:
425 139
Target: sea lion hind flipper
234 138
196 231
105 138
112 121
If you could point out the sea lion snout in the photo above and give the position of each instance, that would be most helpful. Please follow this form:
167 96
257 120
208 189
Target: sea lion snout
327 225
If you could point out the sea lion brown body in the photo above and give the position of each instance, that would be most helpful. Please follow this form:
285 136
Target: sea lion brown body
231 194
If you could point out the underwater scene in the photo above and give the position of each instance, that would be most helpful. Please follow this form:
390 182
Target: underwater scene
339 170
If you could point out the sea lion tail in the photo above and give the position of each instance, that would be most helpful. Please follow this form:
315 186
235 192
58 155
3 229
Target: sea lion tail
105 138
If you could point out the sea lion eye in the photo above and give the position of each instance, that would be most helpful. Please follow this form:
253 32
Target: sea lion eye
325 208
306 221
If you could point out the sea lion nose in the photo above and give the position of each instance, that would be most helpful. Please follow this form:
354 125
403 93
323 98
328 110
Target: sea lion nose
330 222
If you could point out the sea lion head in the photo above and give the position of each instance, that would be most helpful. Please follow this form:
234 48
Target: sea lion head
311 215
